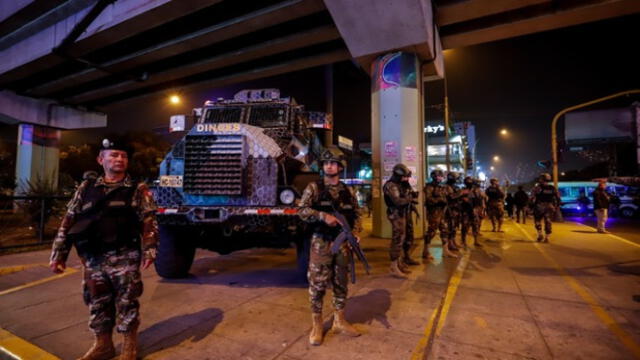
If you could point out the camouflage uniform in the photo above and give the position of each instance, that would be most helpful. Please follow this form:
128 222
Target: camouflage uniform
325 267
435 199
495 206
112 281
545 200
453 214
399 214
472 206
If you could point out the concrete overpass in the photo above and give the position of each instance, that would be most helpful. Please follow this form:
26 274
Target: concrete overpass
63 57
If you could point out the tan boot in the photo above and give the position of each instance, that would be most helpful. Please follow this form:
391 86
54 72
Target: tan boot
403 267
130 345
315 337
426 254
395 271
447 252
101 349
341 326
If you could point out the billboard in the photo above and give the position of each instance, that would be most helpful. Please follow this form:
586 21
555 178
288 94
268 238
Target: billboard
599 126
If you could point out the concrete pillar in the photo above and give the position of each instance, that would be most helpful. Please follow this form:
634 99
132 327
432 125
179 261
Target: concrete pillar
397 129
37 157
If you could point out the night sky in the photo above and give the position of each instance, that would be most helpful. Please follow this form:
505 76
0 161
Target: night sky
518 83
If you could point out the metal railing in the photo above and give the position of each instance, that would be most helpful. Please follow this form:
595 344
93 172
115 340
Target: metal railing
30 220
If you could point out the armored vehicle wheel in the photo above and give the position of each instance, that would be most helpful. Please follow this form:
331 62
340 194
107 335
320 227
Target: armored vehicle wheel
175 252
303 247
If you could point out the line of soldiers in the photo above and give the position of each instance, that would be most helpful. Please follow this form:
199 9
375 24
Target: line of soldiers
449 207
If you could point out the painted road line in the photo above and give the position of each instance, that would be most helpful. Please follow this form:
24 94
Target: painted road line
619 238
439 315
17 348
600 311
67 272
12 269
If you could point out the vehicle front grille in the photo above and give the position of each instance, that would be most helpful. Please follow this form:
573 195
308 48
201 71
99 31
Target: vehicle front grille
213 165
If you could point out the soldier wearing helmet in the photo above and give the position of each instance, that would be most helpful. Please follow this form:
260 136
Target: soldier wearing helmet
319 200
495 205
472 205
545 199
435 201
453 214
399 198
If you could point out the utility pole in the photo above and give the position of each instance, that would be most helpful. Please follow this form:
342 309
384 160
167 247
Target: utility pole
446 126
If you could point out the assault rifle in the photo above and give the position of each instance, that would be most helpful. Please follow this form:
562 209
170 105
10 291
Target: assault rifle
347 236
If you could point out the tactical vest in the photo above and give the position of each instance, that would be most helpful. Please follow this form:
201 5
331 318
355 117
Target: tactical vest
387 198
439 193
547 194
326 203
106 221
493 193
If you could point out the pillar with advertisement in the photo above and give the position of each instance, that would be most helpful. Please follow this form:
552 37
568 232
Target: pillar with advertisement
38 155
397 129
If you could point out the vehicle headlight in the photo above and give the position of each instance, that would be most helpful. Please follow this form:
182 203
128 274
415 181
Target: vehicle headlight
287 196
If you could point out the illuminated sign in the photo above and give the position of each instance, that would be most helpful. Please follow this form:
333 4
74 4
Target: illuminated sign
436 129
224 127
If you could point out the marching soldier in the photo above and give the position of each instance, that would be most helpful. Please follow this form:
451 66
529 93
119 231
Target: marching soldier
400 199
319 201
111 221
545 199
453 212
435 200
472 206
495 205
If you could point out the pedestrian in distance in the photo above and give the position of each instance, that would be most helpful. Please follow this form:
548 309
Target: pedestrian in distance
546 200
521 200
320 200
435 201
601 202
495 205
510 202
111 222
400 200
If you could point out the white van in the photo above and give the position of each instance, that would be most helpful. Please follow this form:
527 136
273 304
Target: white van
570 191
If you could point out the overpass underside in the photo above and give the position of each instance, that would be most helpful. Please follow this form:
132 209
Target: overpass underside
133 48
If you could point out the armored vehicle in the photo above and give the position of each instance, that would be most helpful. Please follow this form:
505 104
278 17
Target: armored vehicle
234 180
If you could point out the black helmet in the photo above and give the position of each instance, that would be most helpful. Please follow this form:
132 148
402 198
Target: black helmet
452 176
545 177
493 180
116 143
469 181
334 154
435 173
401 170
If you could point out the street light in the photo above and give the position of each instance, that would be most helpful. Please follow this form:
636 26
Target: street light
492 168
174 99
504 132
496 158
